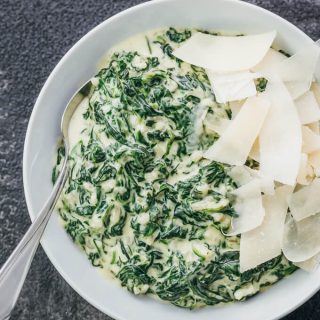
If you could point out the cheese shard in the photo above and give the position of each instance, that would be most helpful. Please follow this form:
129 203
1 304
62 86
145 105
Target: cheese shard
216 124
301 239
255 151
235 107
266 183
309 265
235 143
264 242
314 126
233 86
306 201
270 63
314 159
305 174
224 54
248 206
308 108
297 72
315 88
310 140
242 175
280 137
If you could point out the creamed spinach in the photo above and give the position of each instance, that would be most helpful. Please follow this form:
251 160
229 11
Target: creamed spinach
140 199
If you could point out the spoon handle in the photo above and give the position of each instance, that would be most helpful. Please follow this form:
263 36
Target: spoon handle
15 269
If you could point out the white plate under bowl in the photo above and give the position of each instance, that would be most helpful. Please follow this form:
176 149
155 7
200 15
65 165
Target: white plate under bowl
78 65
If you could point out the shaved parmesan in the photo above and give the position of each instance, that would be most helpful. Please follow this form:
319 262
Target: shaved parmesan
235 107
308 108
233 86
310 140
240 175
225 53
255 151
270 63
316 91
314 126
297 71
306 201
266 183
305 174
216 124
234 145
280 137
309 265
249 207
314 159
264 242
301 239
243 175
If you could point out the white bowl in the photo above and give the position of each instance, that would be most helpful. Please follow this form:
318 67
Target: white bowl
78 65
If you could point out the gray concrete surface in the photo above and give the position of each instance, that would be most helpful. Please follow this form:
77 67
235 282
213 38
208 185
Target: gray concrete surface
34 35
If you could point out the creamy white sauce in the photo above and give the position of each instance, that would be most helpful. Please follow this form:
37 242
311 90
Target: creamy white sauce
78 124
137 43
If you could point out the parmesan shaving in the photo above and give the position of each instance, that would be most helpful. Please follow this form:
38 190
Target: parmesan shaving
301 239
305 174
249 207
308 108
264 242
240 175
224 54
311 141
280 137
297 71
216 124
235 107
314 159
255 151
266 183
233 86
234 145
243 175
306 201
316 91
270 63
314 126
309 265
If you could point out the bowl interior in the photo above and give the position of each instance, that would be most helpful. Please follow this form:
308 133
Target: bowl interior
78 65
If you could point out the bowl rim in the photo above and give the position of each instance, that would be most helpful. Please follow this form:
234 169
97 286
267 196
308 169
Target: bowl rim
37 105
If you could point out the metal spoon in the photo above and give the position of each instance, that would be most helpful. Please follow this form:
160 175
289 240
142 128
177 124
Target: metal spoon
15 269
